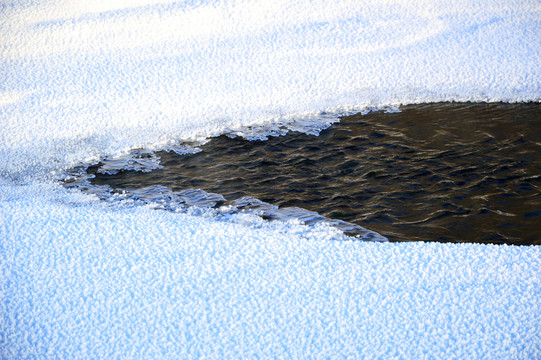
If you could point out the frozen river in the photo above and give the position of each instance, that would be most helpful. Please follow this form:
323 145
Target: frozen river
86 81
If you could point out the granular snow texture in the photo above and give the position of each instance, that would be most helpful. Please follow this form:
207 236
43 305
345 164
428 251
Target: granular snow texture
82 278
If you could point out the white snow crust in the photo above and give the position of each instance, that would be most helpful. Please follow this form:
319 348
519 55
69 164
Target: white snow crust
85 80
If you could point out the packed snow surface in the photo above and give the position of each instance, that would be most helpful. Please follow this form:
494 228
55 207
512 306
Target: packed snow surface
84 278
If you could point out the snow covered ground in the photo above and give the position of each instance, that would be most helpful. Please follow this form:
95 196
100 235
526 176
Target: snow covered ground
83 278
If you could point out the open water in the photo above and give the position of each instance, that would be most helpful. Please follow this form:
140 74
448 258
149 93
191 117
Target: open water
448 172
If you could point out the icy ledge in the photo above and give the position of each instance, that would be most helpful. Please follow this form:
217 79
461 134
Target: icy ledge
197 202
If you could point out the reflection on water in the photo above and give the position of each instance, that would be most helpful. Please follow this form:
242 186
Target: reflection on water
451 172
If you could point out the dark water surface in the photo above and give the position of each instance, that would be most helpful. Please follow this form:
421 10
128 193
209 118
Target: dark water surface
450 172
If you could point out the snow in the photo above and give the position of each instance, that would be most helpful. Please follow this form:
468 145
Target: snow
84 278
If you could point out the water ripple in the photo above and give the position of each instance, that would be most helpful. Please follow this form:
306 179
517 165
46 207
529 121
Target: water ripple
432 172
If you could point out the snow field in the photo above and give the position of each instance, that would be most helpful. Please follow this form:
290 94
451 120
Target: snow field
89 281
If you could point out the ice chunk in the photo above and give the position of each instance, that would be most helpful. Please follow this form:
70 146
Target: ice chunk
200 198
136 160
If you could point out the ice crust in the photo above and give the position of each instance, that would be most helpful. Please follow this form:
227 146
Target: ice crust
84 81
197 201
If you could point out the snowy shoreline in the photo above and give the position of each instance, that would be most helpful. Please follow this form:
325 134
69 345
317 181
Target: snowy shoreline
83 279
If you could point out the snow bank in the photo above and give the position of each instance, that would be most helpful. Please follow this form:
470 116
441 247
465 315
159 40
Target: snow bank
79 81
80 278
